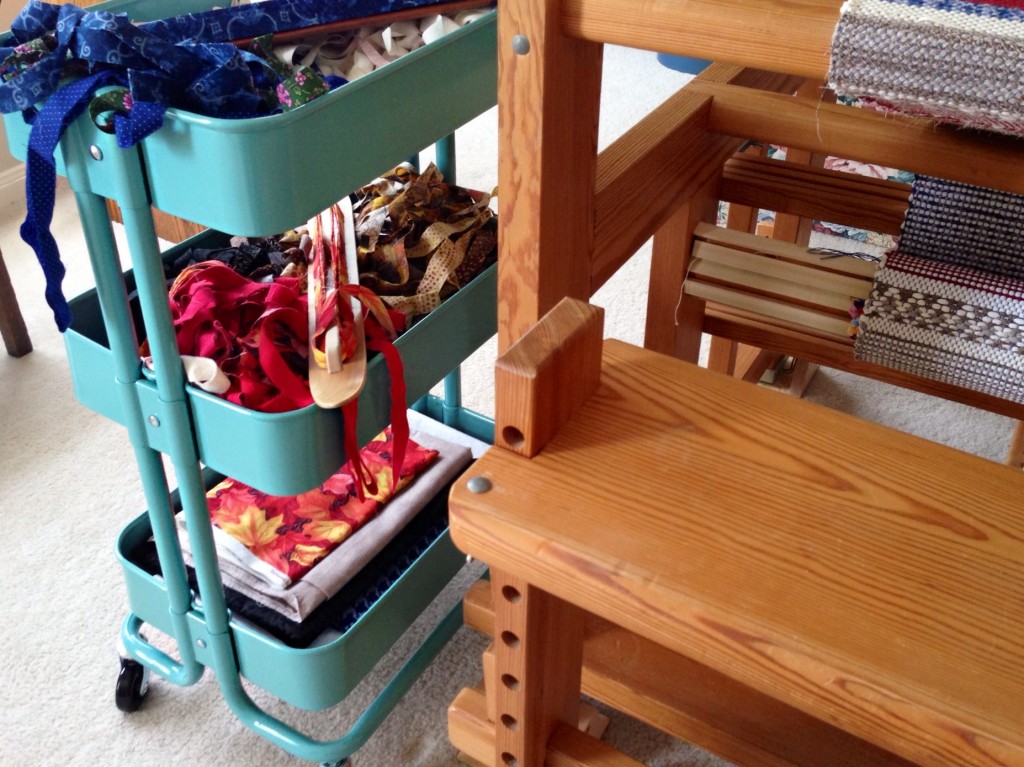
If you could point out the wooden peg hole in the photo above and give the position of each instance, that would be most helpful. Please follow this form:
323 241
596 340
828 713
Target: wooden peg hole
510 681
511 594
510 722
513 437
509 760
510 639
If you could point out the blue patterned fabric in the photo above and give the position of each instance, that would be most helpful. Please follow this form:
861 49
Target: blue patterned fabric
186 62
258 19
41 181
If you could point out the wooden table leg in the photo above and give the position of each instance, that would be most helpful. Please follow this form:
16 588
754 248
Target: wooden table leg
12 324
538 651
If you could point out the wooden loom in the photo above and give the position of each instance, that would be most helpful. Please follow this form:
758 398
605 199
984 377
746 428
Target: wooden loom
697 552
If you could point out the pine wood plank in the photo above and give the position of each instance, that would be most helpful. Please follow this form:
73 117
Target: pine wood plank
673 324
541 381
835 352
547 130
734 31
643 177
805 271
469 729
772 287
885 601
906 143
877 205
783 251
818 321
169 228
695 703
537 651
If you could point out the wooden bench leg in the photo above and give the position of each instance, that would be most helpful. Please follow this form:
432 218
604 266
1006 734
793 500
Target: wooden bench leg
1015 457
12 324
538 662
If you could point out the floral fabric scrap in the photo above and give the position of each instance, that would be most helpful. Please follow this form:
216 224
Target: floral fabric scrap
950 60
280 538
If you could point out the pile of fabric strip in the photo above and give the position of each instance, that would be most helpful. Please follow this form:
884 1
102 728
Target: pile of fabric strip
242 307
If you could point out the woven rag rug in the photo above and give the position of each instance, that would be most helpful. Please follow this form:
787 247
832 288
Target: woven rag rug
948 304
950 60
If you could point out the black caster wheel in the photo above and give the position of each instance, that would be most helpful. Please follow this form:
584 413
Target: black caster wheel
132 684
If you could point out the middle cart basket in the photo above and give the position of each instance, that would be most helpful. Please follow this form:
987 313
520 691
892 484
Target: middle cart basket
215 172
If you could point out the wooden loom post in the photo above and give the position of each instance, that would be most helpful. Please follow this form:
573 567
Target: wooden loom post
550 89
674 320
786 228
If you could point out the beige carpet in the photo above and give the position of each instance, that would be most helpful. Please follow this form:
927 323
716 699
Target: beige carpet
68 484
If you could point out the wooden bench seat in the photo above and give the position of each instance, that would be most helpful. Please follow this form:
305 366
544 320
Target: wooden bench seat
869 579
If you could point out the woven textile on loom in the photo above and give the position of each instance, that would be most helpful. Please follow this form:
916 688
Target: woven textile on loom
950 60
948 323
949 303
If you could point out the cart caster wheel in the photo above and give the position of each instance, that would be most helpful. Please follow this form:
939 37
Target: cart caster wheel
132 685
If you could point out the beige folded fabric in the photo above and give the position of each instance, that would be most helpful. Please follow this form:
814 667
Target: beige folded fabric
337 568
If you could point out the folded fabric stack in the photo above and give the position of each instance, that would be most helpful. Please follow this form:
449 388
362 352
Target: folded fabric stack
298 601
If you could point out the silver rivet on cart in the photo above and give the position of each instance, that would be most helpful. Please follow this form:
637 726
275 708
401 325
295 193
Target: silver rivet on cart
96 152
479 484
521 45
201 644
154 421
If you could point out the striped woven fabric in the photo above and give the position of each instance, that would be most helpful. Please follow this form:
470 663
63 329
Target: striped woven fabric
971 226
948 323
949 60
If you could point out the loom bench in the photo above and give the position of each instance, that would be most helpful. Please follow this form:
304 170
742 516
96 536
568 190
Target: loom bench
772 580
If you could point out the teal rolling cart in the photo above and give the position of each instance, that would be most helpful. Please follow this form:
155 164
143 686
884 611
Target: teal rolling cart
329 147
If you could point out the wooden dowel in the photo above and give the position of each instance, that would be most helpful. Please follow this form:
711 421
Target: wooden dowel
783 251
12 323
820 322
850 199
1015 455
914 145
801 274
792 36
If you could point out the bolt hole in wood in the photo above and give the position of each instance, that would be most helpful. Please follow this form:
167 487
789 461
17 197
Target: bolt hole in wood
513 437
510 681
510 722
508 759
510 639
511 594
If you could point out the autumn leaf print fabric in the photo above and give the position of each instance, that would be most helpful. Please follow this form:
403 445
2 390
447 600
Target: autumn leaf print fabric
282 537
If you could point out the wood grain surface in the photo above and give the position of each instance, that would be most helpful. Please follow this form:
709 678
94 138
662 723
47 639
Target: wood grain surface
868 577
